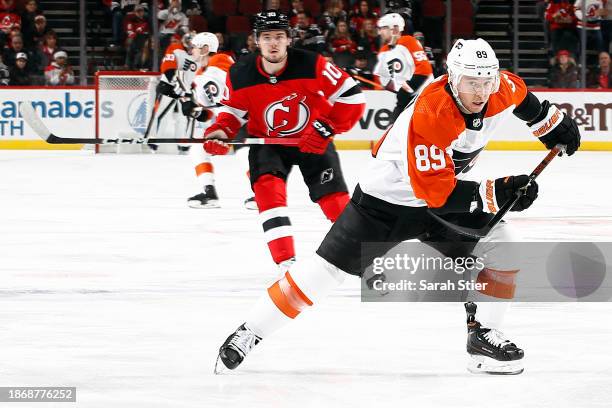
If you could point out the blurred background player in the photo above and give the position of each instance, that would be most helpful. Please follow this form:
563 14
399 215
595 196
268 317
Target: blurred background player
178 69
292 93
208 88
418 169
402 66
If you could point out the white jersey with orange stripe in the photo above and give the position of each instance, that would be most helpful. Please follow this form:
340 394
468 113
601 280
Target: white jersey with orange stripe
432 144
209 82
397 64
182 63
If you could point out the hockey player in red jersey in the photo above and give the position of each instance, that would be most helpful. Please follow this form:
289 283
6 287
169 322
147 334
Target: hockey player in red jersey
418 168
286 92
402 64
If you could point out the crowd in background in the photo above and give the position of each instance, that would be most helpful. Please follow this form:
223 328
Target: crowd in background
30 54
564 23
342 30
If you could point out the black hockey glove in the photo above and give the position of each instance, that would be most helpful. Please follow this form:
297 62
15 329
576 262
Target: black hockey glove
552 127
193 110
167 89
493 194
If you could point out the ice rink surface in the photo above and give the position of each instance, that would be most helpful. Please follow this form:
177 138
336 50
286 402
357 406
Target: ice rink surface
110 283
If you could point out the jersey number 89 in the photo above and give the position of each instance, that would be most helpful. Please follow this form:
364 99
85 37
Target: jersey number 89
428 158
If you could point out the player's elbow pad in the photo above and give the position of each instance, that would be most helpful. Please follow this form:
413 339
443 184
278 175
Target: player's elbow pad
416 81
461 198
529 109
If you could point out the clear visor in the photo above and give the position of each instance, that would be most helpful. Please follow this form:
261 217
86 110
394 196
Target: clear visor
477 85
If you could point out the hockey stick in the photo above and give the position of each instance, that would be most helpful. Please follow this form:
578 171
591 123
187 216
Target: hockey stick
158 98
366 81
33 120
482 232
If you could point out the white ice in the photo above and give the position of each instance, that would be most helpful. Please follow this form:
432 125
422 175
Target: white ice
110 283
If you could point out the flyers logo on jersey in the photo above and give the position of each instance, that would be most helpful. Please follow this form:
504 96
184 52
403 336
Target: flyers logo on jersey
288 116
212 90
395 66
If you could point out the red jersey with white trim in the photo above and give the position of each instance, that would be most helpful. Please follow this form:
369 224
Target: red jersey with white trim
283 105
432 144
399 63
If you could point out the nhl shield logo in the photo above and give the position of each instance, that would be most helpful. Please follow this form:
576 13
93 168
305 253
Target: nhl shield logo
327 175
288 116
476 123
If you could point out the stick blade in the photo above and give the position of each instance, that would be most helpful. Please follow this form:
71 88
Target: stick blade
29 115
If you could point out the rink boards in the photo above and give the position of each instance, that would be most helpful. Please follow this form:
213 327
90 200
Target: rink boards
71 111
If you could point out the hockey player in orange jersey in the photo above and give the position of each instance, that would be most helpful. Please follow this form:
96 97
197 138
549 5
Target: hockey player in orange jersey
402 65
418 168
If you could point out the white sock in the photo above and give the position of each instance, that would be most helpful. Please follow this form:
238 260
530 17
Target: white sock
315 278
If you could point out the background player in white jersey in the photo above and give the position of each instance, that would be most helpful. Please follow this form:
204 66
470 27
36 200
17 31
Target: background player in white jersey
418 169
402 65
178 69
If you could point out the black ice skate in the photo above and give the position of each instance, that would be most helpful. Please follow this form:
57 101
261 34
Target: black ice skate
490 352
235 348
207 199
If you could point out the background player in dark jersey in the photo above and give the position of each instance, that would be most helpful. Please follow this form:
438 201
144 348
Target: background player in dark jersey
286 92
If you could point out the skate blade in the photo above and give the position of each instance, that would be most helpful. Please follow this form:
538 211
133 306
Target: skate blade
220 368
486 365
251 205
199 205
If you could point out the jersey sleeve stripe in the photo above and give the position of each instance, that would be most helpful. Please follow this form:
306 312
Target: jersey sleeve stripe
348 83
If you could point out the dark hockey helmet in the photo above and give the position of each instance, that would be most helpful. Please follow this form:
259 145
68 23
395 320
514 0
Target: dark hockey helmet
270 20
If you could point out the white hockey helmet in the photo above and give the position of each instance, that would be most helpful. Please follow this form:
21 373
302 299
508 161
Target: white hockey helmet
202 39
390 20
475 59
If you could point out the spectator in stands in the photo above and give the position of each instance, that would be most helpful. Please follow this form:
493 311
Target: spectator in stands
361 14
19 74
193 8
224 46
28 26
334 12
48 47
173 21
601 77
297 6
606 26
368 36
564 73
342 45
274 5
595 10
119 9
4 73
562 26
59 72
308 36
40 29
16 46
249 47
361 72
137 31
143 60
9 21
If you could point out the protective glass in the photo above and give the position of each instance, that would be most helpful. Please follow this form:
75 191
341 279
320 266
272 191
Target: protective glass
477 85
